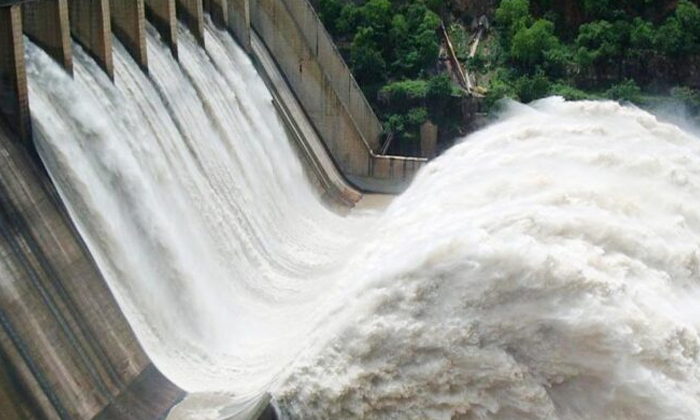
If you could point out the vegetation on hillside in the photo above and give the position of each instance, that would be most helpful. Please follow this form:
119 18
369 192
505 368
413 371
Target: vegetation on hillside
622 50
629 50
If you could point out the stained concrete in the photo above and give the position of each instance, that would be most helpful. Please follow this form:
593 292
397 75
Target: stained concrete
161 13
191 13
90 25
128 24
46 24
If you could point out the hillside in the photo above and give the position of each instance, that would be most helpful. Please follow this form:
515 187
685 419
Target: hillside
632 50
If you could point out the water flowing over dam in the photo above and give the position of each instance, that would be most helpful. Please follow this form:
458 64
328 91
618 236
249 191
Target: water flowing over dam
194 205
544 268
177 239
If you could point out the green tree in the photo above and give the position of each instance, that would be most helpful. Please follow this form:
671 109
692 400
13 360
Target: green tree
596 8
376 14
642 34
670 39
530 88
404 91
601 42
688 16
368 65
426 42
680 34
625 91
349 19
530 44
513 15
329 12
439 88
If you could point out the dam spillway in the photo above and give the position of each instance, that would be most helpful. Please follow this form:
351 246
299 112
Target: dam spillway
194 158
553 289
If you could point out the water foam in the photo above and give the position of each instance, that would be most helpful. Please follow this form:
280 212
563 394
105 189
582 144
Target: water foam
545 268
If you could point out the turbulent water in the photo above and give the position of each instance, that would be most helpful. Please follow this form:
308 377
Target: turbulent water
544 268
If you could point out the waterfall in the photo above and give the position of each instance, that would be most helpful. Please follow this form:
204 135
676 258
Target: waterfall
544 268
193 203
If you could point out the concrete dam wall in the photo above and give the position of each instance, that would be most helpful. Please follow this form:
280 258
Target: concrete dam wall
66 350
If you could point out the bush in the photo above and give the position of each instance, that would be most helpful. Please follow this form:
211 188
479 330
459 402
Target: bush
416 117
477 63
625 91
440 88
598 42
670 39
405 90
500 86
368 65
530 88
642 34
349 19
569 93
530 44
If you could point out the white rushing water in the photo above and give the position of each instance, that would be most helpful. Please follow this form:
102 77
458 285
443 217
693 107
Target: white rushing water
545 268
194 205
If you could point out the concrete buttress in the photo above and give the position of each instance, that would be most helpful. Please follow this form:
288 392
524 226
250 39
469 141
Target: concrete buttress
161 13
90 26
46 24
14 99
239 22
191 13
128 24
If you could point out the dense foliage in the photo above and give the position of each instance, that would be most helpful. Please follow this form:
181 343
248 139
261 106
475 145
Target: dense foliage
622 49
392 47
628 50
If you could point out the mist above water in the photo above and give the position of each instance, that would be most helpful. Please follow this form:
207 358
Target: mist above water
544 268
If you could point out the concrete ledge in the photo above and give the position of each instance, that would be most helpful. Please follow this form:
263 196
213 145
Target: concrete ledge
46 24
14 99
128 24
191 13
161 13
90 26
